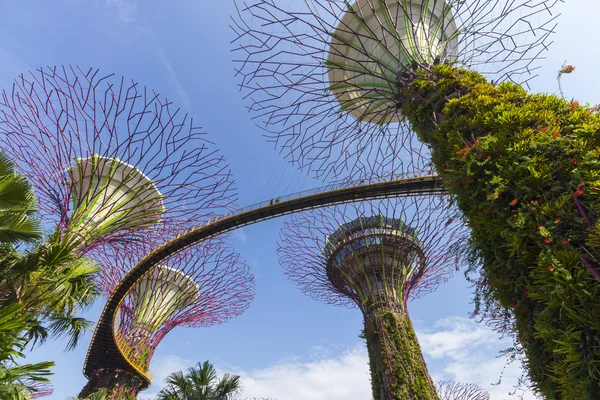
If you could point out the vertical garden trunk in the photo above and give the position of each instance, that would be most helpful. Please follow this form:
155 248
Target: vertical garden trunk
121 385
523 168
398 370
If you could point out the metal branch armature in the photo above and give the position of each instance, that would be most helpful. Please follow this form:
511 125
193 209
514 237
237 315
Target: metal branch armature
203 285
38 389
461 391
108 157
321 76
308 239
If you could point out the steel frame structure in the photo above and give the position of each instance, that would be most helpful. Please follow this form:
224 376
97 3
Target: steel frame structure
294 67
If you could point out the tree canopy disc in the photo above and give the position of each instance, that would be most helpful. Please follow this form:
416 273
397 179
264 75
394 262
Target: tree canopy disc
161 293
110 195
374 42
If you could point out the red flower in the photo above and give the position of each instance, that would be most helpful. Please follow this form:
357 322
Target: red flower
565 242
557 220
582 184
578 193
574 105
526 292
547 240
514 202
544 129
539 227
567 69
555 133
574 160
550 268
488 157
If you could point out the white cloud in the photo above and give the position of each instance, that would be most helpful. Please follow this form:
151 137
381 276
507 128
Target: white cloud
173 79
463 351
239 235
452 337
457 349
342 378
126 10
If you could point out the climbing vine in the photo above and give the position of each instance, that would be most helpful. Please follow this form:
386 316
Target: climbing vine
525 170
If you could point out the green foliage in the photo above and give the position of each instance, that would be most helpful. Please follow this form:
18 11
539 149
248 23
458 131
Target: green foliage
53 283
41 288
101 394
525 171
395 359
16 380
17 205
200 383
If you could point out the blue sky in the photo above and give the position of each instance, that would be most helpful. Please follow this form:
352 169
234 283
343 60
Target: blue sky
286 346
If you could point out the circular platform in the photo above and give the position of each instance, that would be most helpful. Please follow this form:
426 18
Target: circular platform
371 45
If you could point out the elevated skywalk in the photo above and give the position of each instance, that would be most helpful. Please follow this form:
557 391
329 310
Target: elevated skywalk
106 351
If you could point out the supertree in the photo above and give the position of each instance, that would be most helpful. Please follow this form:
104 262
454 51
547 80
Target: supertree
203 285
108 157
323 77
376 256
460 391
521 166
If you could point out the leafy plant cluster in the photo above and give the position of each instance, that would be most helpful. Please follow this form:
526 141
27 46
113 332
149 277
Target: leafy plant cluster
395 359
525 170
43 284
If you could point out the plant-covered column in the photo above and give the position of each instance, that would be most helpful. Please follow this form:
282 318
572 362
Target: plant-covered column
525 170
376 256
118 384
398 370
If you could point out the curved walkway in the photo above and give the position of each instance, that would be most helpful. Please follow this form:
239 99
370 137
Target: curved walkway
104 351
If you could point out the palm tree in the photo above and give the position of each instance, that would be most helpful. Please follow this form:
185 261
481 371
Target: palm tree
198 383
17 205
17 382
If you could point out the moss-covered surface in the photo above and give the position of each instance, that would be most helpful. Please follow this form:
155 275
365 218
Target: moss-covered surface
116 384
525 170
398 370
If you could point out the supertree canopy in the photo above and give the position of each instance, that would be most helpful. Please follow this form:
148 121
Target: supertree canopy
203 285
323 76
376 256
108 157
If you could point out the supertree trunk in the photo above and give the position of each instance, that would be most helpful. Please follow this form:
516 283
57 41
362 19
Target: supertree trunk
523 169
398 370
120 385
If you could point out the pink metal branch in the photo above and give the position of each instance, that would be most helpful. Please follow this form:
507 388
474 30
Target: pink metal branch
56 115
